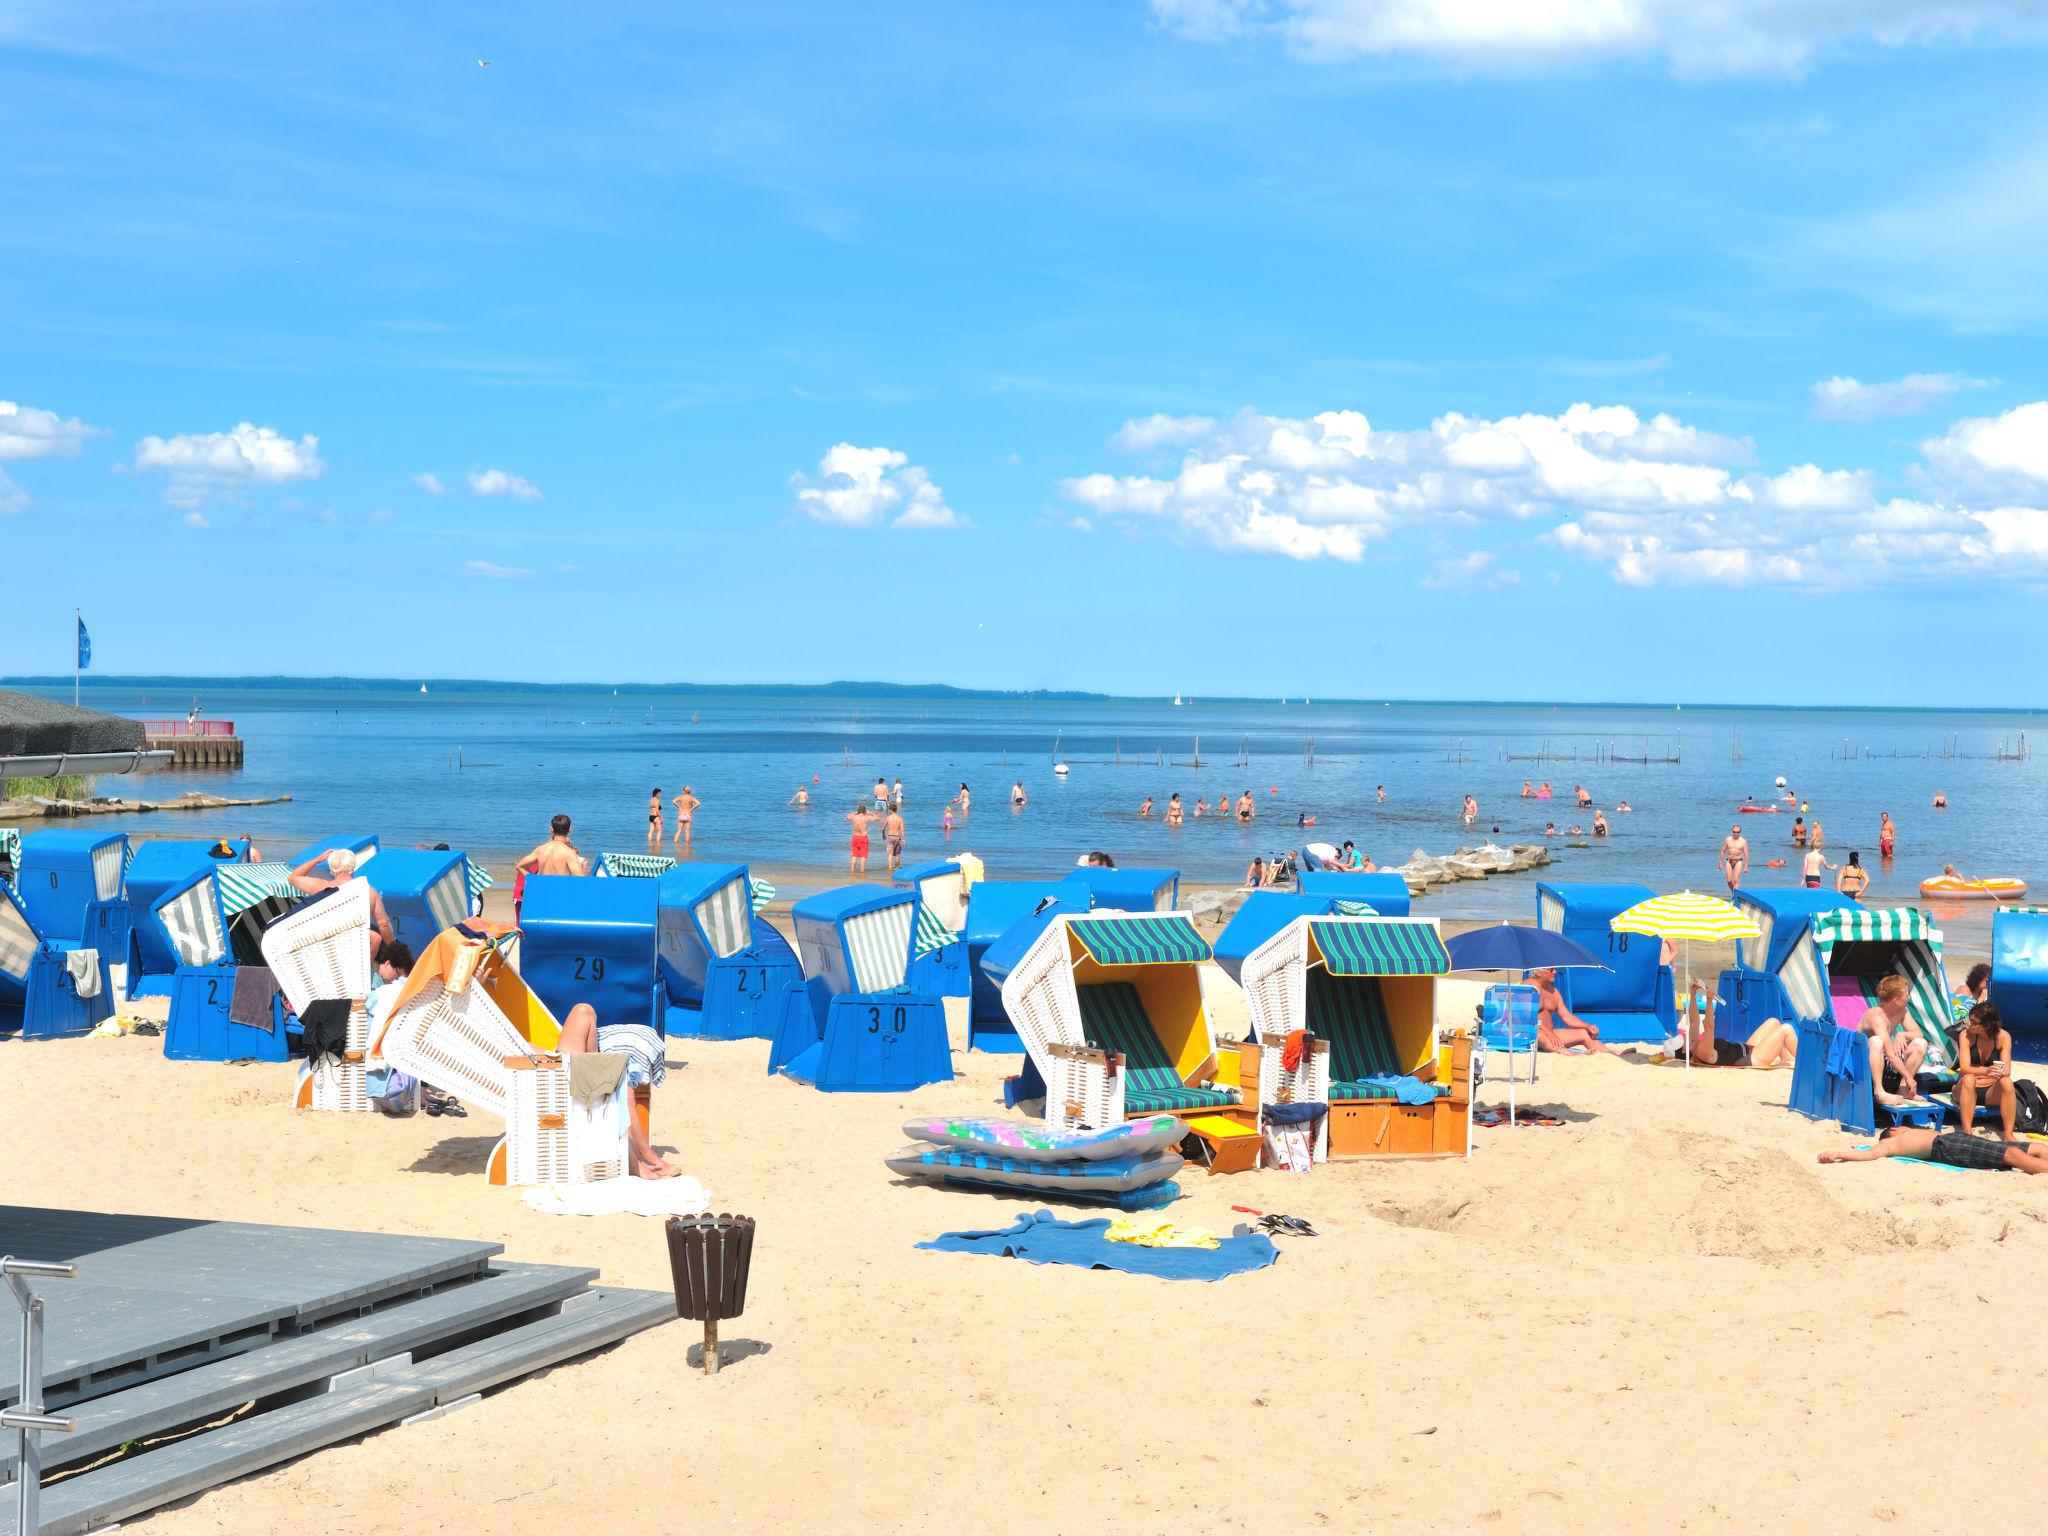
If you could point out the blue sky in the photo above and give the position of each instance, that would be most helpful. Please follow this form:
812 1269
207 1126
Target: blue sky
1313 346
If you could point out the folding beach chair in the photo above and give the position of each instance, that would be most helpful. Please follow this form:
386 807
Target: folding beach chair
465 1044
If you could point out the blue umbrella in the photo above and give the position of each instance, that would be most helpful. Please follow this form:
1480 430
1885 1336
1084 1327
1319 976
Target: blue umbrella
1512 947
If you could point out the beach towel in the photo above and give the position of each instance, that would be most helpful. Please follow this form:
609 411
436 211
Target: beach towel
645 1049
1042 1238
1845 1051
84 966
682 1196
249 1004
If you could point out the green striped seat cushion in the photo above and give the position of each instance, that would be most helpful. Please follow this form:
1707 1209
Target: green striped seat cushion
1113 1019
1350 1013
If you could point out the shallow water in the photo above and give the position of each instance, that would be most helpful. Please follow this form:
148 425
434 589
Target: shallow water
484 771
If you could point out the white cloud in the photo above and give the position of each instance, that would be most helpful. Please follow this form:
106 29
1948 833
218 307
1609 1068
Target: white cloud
1999 450
496 482
487 569
1845 399
381 515
196 520
27 432
1733 36
1161 431
1655 500
207 464
866 487
430 482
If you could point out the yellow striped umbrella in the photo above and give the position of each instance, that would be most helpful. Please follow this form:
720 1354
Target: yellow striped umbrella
1687 916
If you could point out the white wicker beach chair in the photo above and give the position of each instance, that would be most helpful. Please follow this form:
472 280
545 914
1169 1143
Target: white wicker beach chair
462 1044
322 951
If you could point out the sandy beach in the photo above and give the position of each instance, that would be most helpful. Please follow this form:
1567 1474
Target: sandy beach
1660 1314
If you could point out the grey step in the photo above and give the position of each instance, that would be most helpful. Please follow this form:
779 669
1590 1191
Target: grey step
207 1460
170 1403
157 1294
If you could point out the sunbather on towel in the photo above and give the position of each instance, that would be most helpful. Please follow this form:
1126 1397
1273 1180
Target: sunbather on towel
1773 1043
1896 1050
1957 1149
1557 1027
579 1033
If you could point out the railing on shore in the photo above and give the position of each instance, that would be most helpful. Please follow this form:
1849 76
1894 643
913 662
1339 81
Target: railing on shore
189 727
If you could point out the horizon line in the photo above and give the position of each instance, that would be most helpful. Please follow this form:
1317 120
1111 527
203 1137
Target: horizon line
875 688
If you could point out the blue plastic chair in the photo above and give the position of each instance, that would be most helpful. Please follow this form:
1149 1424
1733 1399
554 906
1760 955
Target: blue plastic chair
1507 1026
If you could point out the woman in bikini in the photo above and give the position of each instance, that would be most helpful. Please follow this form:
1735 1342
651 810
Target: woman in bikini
687 806
654 821
1854 879
1173 810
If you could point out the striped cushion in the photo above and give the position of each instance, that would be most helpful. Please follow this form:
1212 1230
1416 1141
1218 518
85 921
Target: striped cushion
1351 1014
1145 1102
1113 1019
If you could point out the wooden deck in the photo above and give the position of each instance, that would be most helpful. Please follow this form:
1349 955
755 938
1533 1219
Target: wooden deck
307 1336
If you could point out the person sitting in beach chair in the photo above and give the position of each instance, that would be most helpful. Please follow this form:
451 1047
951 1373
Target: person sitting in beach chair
580 1037
1952 1149
341 866
1984 1068
1896 1050
1772 1044
1558 1029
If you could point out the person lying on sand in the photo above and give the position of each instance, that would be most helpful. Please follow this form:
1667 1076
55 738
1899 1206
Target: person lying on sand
579 1035
1772 1044
1557 1027
1955 1149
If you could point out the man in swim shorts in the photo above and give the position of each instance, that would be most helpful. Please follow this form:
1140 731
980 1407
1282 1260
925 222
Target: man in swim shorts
1953 1149
1734 858
1896 1050
857 852
892 832
556 856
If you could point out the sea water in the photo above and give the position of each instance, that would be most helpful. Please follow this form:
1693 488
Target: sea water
483 770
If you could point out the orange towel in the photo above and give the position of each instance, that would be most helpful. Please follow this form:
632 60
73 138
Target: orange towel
1291 1052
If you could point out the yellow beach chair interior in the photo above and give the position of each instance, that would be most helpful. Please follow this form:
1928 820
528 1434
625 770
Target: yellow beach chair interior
1363 990
1143 1022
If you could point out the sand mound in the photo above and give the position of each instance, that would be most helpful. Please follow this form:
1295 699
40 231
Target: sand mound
1666 1192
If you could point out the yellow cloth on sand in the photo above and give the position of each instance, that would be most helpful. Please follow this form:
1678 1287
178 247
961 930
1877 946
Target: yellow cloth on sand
1157 1232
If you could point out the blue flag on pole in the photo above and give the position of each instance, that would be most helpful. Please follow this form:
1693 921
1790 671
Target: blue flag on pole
84 647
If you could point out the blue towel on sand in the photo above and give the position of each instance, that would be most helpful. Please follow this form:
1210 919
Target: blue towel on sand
1042 1238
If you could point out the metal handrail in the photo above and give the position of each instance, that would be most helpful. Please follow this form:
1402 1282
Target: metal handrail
27 1418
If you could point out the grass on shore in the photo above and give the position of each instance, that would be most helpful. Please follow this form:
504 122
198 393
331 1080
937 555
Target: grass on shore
69 786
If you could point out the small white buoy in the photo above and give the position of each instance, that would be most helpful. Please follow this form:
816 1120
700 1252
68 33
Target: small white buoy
1060 769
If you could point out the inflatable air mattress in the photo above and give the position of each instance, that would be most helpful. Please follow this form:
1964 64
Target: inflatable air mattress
1030 1142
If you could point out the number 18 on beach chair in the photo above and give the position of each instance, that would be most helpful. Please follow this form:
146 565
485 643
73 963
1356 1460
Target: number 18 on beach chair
453 1029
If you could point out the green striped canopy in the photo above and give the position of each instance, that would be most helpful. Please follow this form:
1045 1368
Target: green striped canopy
480 879
10 845
1139 940
761 893
1354 909
637 866
1380 949
243 885
1927 1003
932 932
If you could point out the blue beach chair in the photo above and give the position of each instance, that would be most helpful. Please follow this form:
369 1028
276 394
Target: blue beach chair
722 969
856 1025
38 994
